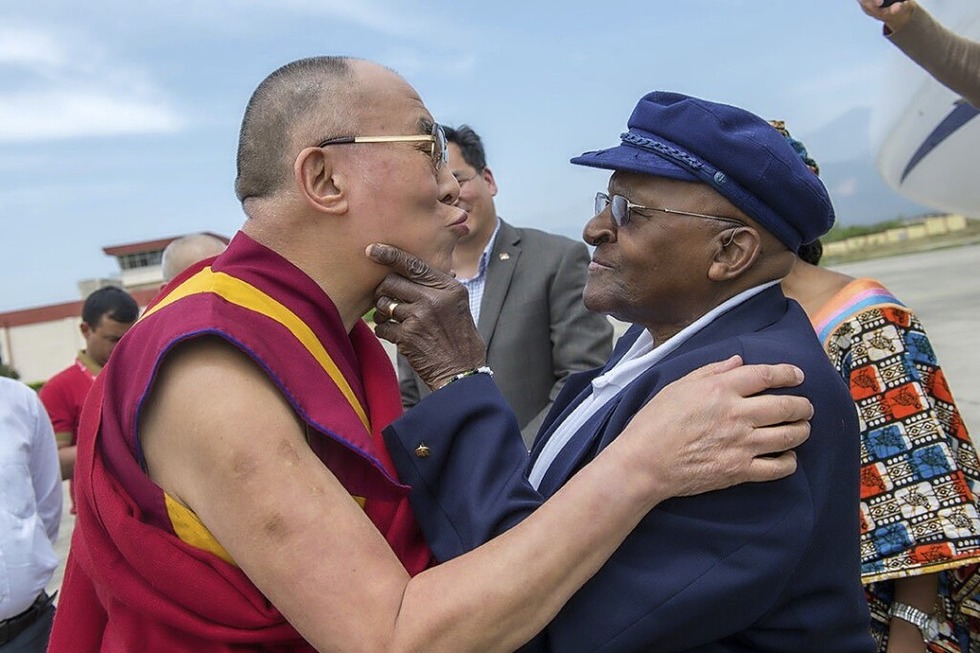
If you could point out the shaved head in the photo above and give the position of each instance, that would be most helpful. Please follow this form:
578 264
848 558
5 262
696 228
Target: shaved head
184 252
296 106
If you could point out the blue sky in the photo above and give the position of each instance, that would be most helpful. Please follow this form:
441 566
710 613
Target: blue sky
119 119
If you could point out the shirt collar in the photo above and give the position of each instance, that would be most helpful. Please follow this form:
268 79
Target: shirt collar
88 363
481 268
645 352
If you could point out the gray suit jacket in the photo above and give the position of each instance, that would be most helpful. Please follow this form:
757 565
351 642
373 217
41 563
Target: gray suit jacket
533 320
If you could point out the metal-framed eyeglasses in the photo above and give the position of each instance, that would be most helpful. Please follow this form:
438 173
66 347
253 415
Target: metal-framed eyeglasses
437 137
620 207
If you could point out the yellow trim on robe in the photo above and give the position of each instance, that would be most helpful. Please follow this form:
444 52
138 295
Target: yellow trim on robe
186 524
190 529
247 296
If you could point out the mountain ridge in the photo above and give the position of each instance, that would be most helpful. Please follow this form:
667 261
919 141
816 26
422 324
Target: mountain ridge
843 150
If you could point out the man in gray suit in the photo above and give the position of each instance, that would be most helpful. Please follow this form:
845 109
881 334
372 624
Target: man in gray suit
525 290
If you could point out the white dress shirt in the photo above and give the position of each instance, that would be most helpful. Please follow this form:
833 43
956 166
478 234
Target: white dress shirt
477 284
642 355
30 498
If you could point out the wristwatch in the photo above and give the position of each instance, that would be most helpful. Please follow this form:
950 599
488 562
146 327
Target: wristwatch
926 623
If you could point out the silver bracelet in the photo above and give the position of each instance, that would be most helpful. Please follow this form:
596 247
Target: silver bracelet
462 375
927 623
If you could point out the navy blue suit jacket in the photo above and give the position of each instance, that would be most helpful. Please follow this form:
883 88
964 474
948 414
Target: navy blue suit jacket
757 567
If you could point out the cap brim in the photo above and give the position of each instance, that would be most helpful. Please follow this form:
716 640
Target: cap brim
632 159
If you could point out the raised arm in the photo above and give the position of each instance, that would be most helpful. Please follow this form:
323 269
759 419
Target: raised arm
952 59
713 411
894 16
238 458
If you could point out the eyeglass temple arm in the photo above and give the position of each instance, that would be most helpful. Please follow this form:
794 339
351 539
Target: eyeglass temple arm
394 139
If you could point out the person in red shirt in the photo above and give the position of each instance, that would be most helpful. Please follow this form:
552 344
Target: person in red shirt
107 314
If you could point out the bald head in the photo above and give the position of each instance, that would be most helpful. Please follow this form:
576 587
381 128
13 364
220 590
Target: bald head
296 106
184 252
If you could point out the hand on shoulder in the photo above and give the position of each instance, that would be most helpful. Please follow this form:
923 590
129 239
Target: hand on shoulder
712 428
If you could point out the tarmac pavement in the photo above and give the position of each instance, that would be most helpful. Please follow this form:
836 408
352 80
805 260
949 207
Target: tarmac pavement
943 288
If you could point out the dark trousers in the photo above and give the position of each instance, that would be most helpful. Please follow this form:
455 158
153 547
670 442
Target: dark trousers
33 639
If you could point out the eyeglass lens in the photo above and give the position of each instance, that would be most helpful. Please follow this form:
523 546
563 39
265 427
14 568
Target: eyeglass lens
440 148
620 207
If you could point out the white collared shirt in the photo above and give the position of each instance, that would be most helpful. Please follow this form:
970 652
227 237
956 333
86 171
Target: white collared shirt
30 498
642 355
476 285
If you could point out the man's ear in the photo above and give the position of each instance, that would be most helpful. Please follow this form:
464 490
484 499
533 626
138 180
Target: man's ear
736 250
490 181
319 181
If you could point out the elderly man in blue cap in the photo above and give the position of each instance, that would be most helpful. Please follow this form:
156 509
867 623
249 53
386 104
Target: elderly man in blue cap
704 210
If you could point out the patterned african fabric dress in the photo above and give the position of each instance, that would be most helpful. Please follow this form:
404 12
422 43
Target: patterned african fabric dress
919 469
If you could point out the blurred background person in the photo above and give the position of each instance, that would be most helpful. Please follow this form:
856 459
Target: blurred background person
30 514
187 250
525 289
107 315
920 529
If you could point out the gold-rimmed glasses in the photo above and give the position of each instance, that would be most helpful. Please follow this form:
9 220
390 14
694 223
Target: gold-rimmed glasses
437 137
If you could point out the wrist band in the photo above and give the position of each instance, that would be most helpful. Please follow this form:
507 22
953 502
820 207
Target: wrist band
462 375
927 623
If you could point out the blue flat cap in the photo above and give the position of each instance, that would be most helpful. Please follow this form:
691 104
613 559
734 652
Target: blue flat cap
737 153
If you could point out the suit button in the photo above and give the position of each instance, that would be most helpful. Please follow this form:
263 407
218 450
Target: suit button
422 451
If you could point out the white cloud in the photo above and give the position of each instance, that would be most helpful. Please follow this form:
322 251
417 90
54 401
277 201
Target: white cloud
55 115
57 85
29 48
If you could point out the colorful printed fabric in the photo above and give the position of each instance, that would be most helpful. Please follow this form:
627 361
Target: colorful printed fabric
920 474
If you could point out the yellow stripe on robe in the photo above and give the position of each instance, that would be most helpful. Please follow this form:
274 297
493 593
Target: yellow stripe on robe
247 296
190 529
186 524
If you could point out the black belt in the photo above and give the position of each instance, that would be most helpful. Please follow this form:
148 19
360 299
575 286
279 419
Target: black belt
11 628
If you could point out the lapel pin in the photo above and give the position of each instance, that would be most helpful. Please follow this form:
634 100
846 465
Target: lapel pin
504 256
422 451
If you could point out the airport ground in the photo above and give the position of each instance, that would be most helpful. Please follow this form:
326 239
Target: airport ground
942 286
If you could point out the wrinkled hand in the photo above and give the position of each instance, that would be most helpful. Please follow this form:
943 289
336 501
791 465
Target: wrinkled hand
712 429
895 16
426 313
